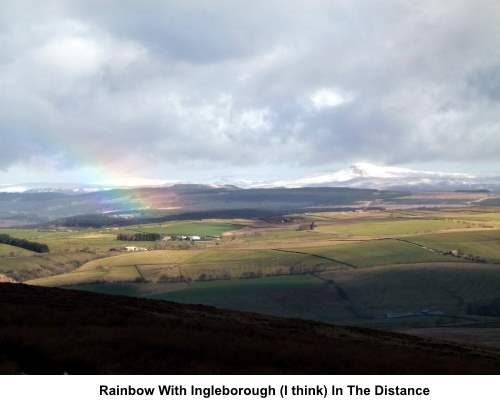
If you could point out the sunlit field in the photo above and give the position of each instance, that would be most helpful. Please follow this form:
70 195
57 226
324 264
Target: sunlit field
348 267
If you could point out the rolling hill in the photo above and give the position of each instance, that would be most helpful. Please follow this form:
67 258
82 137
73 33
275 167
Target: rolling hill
47 330
121 206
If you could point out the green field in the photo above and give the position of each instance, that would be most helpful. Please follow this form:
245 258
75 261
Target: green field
205 228
8 250
353 268
103 275
42 265
64 241
298 296
219 263
390 227
101 240
71 248
391 297
483 243
446 287
202 264
144 290
377 252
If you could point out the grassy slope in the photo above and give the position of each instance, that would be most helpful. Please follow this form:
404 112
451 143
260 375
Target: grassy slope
234 263
194 265
78 332
390 227
64 241
482 243
252 252
447 287
220 263
200 228
101 240
483 336
42 265
374 253
8 250
299 296
71 248
357 296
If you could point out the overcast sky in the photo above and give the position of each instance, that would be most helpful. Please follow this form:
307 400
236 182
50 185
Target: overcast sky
92 91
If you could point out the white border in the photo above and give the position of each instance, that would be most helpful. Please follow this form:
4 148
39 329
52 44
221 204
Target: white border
84 390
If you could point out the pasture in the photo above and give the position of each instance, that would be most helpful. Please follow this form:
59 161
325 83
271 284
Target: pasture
389 227
71 248
24 268
13 251
387 297
101 240
192 265
376 252
73 240
207 228
485 244
358 268
297 296
430 284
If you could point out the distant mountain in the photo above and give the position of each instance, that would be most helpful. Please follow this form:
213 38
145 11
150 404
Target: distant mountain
361 185
358 175
79 188
69 188
366 175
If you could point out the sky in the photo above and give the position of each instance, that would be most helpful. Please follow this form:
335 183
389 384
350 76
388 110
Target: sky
143 92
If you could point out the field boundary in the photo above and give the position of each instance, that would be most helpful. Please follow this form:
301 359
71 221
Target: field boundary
318 256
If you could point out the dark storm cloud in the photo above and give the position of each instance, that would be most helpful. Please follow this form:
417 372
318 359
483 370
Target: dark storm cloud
231 83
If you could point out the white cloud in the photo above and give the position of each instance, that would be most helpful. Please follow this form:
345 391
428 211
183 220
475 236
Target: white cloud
72 55
329 97
73 49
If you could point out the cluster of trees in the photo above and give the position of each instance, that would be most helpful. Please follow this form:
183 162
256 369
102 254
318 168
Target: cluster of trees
23 243
139 237
91 221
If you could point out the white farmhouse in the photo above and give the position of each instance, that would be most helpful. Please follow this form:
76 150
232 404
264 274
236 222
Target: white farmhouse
134 249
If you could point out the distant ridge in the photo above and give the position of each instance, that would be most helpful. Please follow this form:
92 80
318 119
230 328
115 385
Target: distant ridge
474 190
177 201
358 175
367 175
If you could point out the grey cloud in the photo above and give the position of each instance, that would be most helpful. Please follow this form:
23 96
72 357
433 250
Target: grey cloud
486 83
194 31
229 84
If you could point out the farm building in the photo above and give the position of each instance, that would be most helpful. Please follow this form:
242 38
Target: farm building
187 237
134 249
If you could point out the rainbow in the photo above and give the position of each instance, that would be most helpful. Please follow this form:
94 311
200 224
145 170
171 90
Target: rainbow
136 199
102 172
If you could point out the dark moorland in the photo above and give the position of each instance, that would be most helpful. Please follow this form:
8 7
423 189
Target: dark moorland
50 330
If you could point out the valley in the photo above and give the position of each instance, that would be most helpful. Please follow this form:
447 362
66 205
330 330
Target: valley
392 269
